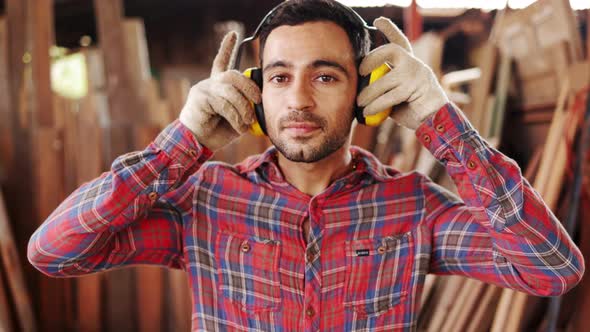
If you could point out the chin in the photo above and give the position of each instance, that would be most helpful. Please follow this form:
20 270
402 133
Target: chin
306 153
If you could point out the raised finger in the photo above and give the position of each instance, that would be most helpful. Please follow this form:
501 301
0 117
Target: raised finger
224 56
392 33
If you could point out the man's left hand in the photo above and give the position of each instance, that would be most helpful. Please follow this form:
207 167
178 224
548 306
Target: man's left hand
411 87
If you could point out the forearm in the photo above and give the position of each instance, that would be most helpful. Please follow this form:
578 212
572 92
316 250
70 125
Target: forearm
529 249
95 219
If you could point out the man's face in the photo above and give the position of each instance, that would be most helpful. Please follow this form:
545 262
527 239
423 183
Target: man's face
309 92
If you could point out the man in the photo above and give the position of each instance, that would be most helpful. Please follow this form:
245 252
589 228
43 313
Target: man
312 235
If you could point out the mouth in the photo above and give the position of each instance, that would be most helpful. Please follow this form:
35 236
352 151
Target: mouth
301 128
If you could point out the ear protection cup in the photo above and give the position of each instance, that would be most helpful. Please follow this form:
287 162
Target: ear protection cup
375 119
259 127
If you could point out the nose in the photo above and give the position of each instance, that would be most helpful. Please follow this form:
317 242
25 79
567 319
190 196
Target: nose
300 95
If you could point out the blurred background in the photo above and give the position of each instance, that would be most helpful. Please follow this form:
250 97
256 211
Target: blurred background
83 81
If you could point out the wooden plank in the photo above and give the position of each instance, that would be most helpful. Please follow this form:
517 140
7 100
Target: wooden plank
449 291
502 86
452 321
14 273
5 313
502 311
175 92
469 306
150 280
481 320
552 143
482 87
16 16
43 39
49 184
125 106
136 51
89 164
124 112
179 301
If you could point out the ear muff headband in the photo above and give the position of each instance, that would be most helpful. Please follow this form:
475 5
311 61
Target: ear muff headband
259 128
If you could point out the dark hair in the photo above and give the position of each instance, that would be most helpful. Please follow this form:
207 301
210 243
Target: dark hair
296 12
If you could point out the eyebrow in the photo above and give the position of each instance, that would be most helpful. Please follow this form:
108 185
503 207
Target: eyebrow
315 64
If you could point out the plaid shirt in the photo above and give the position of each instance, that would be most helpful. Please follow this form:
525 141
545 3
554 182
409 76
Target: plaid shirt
374 234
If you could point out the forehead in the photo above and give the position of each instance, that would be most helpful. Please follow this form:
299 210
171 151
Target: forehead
308 42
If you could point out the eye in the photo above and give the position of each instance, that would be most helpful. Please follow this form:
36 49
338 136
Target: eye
279 78
325 78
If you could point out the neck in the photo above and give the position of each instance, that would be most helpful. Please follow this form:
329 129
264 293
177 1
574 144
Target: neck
313 178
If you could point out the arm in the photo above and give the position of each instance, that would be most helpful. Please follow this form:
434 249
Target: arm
135 213
130 215
502 232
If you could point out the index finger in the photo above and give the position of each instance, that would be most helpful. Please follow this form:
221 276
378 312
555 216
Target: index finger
226 51
392 33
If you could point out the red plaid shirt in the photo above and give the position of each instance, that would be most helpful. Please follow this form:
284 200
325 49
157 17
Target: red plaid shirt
374 234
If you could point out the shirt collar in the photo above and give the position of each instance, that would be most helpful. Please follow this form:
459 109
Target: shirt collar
365 166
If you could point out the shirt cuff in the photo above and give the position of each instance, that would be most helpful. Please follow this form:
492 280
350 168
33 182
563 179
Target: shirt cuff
441 128
179 143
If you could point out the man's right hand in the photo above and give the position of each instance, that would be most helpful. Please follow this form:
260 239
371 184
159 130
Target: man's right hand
219 109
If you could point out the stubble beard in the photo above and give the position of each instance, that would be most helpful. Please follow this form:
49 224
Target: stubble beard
303 151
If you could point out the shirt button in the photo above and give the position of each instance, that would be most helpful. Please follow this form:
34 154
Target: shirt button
471 164
440 128
245 247
193 153
153 196
310 312
426 139
381 250
310 257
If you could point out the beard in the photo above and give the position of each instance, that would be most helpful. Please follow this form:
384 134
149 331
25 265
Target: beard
312 149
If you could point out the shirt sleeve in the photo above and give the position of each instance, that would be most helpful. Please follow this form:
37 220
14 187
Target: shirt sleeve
501 232
132 214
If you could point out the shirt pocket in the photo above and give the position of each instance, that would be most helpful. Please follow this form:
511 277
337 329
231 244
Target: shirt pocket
378 273
248 271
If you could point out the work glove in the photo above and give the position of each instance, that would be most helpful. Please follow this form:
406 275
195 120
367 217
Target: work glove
219 109
411 87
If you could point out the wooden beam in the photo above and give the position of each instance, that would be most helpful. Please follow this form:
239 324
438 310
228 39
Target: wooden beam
42 41
413 22
89 164
124 113
123 100
16 17
14 273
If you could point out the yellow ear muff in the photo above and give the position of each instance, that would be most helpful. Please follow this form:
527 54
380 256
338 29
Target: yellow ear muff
255 128
376 119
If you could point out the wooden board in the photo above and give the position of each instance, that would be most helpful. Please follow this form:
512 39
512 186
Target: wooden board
88 165
481 88
178 301
149 279
452 321
481 319
14 273
5 313
449 294
125 111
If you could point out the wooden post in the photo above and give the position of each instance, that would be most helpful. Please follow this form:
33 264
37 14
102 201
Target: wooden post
11 263
125 112
412 22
